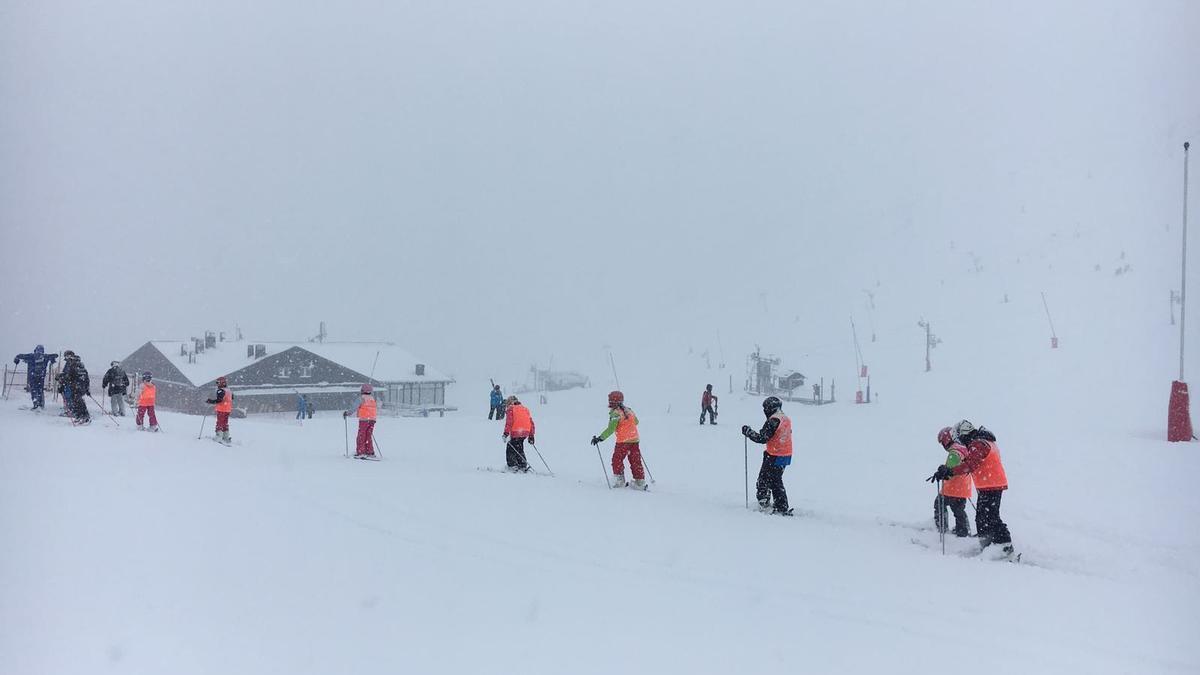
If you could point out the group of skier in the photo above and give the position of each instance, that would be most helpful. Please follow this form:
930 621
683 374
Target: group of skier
972 458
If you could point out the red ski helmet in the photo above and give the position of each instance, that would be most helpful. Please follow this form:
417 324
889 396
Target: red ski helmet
945 437
367 389
221 382
615 398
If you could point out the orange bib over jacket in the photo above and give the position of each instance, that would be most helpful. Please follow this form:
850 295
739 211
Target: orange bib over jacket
960 485
225 405
627 427
366 409
780 445
522 421
149 392
990 473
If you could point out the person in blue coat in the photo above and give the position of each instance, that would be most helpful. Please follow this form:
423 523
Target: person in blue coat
35 377
301 406
497 400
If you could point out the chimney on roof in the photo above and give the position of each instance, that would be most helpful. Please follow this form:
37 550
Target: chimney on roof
222 336
210 339
420 369
260 351
182 349
197 345
249 351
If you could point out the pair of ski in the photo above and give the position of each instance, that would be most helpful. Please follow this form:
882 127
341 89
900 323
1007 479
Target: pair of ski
987 553
492 469
367 458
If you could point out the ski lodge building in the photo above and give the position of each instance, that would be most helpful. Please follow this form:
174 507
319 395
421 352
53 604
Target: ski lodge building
267 376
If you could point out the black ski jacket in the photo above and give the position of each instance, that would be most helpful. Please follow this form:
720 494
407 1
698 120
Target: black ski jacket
75 374
116 380
767 432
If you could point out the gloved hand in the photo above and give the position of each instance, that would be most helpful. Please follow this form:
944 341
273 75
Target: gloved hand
210 401
345 413
746 430
504 436
596 440
943 473
531 441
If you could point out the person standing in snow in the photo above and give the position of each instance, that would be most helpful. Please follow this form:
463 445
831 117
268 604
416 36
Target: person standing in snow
518 426
623 422
116 383
301 406
75 376
708 401
36 363
496 399
955 491
776 434
310 408
146 399
981 460
364 447
222 403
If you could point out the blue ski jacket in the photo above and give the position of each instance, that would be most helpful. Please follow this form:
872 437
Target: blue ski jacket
38 361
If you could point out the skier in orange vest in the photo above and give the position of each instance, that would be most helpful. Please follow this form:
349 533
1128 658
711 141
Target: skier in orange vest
776 434
222 403
518 426
364 447
982 461
146 402
623 422
955 491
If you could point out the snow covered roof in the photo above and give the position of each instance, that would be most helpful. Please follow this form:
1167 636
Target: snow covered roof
388 362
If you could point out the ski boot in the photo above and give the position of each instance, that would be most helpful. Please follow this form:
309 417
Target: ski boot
619 480
141 428
640 484
764 505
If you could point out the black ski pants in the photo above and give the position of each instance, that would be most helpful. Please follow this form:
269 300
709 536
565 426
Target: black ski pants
958 506
770 479
514 454
991 529
712 415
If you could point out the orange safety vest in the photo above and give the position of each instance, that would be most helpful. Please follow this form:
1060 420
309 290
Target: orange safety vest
366 409
780 445
990 474
149 391
522 421
627 427
958 486
225 405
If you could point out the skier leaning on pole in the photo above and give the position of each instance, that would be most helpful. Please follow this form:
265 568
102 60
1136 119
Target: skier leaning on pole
222 403
623 422
955 491
776 434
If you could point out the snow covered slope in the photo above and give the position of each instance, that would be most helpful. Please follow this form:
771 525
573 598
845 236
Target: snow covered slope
139 553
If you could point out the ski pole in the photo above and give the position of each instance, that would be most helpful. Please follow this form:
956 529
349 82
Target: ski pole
346 427
746 468
539 454
378 450
646 466
202 421
110 415
601 458
941 502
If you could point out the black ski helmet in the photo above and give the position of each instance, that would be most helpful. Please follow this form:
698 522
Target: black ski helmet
771 405
147 376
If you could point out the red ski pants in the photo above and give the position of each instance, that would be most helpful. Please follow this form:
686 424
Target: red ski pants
142 410
363 445
222 421
634 453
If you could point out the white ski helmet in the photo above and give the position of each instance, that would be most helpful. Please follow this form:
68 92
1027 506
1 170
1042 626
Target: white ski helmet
963 428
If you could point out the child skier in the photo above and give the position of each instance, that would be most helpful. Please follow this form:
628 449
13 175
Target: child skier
222 405
776 434
363 445
146 402
623 422
707 403
955 491
982 461
518 426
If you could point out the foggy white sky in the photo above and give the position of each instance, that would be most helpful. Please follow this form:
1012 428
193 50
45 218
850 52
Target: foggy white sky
490 183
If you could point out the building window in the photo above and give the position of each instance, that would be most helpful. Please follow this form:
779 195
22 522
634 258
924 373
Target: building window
307 370
284 372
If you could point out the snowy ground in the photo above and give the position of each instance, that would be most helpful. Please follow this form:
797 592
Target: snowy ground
139 553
